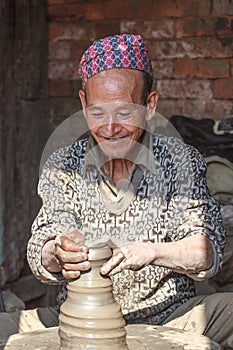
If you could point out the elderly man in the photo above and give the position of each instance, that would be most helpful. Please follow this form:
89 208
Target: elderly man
145 192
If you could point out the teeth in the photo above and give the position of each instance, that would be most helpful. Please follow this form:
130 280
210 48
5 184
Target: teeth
113 138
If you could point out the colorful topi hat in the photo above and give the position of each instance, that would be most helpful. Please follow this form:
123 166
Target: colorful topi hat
117 51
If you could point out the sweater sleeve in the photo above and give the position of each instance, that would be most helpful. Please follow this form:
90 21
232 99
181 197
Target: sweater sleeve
57 215
195 211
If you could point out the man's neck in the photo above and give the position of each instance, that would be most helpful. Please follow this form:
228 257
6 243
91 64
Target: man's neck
118 169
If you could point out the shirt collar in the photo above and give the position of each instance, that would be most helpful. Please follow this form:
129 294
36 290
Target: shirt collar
142 154
145 156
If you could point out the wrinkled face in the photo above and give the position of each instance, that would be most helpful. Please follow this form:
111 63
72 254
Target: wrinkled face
114 111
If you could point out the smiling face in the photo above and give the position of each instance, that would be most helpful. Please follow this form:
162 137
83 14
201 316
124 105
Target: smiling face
112 109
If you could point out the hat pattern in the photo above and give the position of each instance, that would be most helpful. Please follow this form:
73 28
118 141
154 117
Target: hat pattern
118 51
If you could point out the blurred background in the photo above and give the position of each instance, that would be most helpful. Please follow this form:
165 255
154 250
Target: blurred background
41 42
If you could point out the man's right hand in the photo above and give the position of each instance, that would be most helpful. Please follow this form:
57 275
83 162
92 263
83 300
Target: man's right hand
69 255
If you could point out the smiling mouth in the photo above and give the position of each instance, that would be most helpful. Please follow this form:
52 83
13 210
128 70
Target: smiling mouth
114 139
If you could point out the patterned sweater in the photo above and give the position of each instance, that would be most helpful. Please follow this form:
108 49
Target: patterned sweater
169 203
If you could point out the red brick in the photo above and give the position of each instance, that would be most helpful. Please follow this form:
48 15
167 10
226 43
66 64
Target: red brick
194 108
68 31
162 28
94 11
202 68
149 9
105 28
205 37
55 30
60 88
75 10
171 9
77 85
193 48
135 10
172 88
61 108
223 88
64 70
128 9
191 27
52 2
223 26
162 68
222 7
78 50
218 109
77 53
231 63
169 107
114 10
181 8
59 50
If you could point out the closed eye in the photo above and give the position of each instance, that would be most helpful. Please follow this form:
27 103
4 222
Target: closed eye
124 115
97 115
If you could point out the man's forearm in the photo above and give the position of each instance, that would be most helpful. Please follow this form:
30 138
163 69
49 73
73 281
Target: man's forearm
189 255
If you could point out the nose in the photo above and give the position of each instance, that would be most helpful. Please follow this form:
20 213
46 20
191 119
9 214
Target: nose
111 127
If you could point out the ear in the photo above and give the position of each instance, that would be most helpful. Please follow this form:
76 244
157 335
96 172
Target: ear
151 104
82 97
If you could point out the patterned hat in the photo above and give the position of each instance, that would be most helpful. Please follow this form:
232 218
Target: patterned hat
118 51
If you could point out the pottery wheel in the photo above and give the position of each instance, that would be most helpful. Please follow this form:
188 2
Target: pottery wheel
139 337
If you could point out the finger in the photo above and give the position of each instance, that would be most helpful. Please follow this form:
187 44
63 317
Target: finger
59 252
75 246
70 274
116 259
124 266
84 266
118 268
70 257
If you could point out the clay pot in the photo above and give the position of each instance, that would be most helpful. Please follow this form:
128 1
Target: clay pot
90 318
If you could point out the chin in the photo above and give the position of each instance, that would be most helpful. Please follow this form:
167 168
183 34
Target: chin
115 150
113 153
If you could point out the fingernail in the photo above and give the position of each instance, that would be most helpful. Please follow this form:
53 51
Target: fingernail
83 256
102 271
71 244
85 248
86 265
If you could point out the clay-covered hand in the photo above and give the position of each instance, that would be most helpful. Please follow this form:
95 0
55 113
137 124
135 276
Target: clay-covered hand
132 256
72 254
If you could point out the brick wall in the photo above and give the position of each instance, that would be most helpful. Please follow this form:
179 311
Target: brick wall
189 41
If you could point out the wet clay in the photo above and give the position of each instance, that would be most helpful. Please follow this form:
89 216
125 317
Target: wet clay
90 318
139 337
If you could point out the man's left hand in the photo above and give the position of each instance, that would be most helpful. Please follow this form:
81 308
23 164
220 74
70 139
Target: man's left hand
132 256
